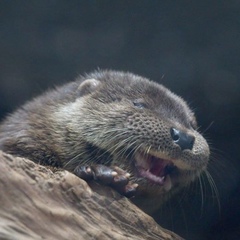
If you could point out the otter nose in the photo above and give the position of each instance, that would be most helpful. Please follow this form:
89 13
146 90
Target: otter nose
185 141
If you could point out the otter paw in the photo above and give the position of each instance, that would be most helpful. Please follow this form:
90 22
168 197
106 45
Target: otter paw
129 190
115 177
84 172
106 175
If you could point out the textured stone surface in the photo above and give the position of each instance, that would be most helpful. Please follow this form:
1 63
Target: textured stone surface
36 203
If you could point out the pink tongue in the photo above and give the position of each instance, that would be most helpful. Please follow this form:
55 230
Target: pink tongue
157 167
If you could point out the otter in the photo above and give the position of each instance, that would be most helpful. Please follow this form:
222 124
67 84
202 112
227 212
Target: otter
113 127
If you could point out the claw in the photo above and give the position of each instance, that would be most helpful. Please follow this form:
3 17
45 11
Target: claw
84 172
130 190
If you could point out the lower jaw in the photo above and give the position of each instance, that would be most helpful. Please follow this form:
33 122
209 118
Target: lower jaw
164 182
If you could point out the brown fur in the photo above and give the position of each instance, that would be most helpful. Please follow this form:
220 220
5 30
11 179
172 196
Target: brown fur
107 117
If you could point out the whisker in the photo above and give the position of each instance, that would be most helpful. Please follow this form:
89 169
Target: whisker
214 189
202 192
70 162
208 127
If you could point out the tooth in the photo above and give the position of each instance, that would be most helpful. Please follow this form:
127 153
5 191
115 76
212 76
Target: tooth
141 161
168 183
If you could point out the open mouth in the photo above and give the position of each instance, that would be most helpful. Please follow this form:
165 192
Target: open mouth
156 170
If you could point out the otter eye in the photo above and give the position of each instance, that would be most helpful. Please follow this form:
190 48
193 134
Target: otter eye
139 104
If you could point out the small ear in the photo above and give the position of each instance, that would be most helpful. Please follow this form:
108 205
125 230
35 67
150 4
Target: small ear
88 86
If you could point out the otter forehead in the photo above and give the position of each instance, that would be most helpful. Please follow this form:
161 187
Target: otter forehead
153 97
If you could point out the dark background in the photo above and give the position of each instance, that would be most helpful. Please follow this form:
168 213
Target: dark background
192 47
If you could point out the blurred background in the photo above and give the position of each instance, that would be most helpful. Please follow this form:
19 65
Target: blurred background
192 47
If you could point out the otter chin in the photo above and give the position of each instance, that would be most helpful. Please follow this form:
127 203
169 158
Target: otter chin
114 127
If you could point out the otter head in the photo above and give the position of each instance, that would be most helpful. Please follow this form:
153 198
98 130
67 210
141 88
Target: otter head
146 129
